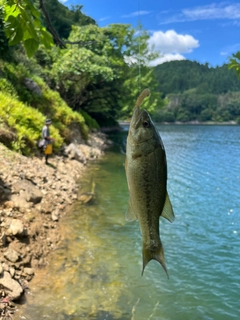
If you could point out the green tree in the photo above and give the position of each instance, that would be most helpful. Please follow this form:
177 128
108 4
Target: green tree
235 63
101 78
62 18
34 22
23 25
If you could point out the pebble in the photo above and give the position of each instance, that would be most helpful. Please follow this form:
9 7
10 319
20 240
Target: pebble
29 214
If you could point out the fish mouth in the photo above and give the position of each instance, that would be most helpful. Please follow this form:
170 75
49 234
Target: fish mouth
136 118
137 112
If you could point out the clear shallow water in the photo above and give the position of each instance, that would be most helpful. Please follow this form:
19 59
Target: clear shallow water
96 274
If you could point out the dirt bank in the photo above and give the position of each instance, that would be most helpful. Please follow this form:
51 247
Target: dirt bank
33 197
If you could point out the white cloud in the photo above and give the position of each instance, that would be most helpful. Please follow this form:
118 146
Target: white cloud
172 42
130 60
63 1
171 45
166 58
104 18
212 11
136 13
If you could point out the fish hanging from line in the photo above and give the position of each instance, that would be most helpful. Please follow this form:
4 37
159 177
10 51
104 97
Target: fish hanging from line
146 172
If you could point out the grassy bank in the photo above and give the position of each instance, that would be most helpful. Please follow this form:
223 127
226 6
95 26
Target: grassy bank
26 101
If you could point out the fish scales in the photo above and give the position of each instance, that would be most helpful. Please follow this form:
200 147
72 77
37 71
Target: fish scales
146 171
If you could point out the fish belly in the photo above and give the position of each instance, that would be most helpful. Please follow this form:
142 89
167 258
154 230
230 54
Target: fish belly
147 184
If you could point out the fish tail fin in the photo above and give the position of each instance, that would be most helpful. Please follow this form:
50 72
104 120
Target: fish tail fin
157 254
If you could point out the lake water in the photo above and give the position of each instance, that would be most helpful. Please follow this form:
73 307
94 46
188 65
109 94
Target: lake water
96 274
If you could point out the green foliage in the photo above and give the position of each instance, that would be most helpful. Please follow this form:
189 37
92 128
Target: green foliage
62 18
180 76
90 122
27 117
23 25
52 106
234 63
27 123
7 87
197 92
151 104
139 75
100 78
3 39
15 74
43 57
191 106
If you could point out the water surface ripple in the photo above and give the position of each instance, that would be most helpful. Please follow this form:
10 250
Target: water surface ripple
96 274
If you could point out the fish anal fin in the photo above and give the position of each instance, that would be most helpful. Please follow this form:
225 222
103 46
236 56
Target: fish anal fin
130 216
167 212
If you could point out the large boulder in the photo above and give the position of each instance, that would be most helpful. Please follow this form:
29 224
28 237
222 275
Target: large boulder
75 133
33 87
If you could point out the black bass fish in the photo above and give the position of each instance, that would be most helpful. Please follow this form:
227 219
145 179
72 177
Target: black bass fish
146 171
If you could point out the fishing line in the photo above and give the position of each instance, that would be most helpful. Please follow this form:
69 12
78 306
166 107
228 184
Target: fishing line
139 50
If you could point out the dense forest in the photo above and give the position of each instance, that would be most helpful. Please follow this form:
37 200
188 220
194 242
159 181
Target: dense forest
89 75
195 91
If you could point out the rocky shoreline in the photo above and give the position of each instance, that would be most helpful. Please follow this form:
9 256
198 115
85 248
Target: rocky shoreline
33 197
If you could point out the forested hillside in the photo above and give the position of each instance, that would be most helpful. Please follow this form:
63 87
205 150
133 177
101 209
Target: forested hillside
83 74
198 92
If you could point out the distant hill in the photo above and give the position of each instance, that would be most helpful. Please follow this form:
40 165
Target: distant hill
196 91
179 76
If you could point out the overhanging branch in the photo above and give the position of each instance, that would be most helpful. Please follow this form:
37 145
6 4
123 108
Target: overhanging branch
59 42
56 37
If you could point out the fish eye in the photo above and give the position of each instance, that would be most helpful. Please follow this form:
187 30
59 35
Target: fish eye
146 124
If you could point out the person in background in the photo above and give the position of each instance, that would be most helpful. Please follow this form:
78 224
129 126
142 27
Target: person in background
47 139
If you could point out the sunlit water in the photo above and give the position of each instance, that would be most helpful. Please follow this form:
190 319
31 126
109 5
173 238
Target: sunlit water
96 274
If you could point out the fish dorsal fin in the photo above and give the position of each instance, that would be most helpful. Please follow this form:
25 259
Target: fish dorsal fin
130 216
167 212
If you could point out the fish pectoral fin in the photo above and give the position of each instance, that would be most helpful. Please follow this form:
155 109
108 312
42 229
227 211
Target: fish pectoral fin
167 212
130 216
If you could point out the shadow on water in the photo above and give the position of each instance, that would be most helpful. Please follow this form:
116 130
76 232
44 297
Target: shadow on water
119 139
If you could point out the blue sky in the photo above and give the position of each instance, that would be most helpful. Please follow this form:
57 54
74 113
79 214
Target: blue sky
204 31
